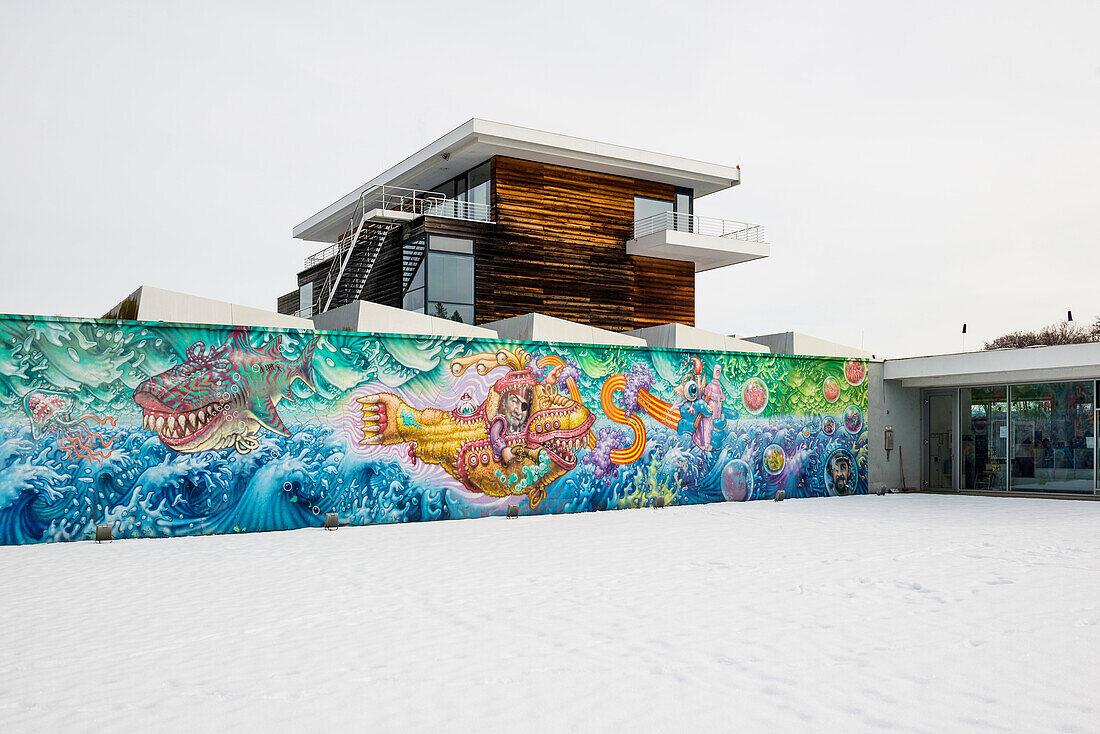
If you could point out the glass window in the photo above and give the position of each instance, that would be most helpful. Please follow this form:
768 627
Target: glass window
644 207
983 437
682 207
447 189
454 311
1051 437
305 296
418 277
450 277
478 185
451 244
414 300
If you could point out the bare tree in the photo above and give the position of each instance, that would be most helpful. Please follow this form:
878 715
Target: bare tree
1052 335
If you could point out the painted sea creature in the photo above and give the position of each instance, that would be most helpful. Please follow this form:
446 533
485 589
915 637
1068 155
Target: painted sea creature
221 397
53 413
521 438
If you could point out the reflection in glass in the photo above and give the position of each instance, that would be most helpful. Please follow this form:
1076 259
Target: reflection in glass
478 179
1051 437
453 311
941 417
450 277
983 437
644 207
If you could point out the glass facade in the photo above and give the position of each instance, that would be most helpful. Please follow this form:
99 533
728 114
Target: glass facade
983 436
443 284
1037 437
1052 438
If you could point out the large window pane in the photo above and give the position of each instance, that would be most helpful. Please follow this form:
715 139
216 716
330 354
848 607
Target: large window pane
450 277
451 244
414 300
644 207
453 311
983 436
1052 437
478 178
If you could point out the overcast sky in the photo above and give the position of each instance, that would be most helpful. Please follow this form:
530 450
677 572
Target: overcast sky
914 166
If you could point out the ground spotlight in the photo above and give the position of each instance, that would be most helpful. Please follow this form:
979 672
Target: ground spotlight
513 511
332 521
102 533
780 495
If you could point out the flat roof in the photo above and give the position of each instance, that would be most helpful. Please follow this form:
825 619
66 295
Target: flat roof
476 141
997 366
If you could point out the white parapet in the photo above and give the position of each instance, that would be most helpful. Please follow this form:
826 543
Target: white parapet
797 343
542 328
157 304
679 336
374 317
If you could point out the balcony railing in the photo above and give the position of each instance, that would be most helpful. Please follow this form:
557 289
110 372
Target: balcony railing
710 226
305 313
401 199
455 209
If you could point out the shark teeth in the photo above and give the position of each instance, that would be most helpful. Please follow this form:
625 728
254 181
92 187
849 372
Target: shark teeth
179 426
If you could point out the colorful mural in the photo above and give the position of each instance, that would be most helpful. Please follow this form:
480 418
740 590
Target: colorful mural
163 430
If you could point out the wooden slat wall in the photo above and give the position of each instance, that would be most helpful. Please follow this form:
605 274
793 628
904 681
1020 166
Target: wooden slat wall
664 292
560 249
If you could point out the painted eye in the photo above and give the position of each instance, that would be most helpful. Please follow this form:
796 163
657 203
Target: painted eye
692 391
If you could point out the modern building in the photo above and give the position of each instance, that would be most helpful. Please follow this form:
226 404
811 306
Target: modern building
1007 421
494 221
501 231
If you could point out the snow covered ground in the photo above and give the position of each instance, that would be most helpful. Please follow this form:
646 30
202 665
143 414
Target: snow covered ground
912 613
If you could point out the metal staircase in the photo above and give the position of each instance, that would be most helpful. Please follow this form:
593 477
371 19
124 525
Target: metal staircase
411 258
349 272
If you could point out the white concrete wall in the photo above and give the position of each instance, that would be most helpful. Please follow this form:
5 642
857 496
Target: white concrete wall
890 404
539 327
158 304
679 336
797 343
374 317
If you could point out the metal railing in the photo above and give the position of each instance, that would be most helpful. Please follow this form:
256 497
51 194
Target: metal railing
401 199
305 313
710 226
455 209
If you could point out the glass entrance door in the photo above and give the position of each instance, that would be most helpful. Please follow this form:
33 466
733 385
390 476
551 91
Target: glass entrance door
939 440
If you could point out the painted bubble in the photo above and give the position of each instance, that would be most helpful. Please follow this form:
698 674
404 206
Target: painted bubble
774 459
853 419
855 371
840 473
831 388
754 395
737 481
806 432
828 426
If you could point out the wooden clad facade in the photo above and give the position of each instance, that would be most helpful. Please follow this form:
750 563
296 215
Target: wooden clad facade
557 246
560 249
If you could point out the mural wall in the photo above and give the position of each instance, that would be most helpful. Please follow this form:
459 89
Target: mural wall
163 430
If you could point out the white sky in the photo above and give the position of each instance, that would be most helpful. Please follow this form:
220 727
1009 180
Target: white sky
914 166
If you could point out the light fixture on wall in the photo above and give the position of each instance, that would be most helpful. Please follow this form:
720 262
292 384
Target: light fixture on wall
1069 315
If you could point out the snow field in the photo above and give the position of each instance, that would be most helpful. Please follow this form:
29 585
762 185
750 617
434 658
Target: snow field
913 613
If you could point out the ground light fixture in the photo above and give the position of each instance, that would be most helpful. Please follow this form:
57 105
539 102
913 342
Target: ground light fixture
513 511
332 521
659 502
781 495
103 533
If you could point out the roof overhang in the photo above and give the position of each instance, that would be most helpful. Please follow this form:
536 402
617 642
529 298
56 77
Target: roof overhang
998 366
478 140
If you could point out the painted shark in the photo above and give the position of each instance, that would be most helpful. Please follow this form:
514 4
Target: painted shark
222 396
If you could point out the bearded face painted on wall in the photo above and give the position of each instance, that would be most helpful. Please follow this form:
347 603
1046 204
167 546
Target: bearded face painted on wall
516 409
